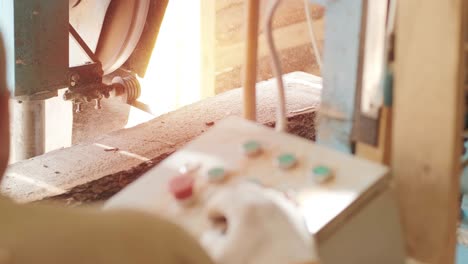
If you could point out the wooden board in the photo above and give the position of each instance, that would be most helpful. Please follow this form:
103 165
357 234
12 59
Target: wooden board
95 170
427 125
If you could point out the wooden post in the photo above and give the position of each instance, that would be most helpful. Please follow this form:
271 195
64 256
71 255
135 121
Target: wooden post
427 125
208 47
250 63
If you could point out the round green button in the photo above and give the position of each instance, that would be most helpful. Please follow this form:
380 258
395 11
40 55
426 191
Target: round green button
216 174
322 174
252 148
286 161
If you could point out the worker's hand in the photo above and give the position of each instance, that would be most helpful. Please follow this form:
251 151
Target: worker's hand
251 224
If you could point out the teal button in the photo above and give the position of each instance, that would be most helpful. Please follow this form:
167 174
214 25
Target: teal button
286 161
216 174
252 148
321 174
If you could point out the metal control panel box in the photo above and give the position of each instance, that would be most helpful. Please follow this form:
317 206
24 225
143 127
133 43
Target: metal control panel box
346 201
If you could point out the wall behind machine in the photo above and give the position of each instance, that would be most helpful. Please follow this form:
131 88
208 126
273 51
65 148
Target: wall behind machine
290 33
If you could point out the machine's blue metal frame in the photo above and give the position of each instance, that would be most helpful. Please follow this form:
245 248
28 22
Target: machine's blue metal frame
340 72
36 37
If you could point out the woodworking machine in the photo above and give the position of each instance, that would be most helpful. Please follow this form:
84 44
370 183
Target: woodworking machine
94 49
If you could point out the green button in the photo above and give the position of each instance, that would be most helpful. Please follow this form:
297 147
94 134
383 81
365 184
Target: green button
322 174
216 174
286 161
252 148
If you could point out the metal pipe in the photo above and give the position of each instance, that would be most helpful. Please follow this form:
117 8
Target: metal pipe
28 129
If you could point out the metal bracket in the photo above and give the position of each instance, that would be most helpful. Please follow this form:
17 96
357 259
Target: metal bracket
85 85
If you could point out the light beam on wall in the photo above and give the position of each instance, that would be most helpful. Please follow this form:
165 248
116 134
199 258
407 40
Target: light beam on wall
173 76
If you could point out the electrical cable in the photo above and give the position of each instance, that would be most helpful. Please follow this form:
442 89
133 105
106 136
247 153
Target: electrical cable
281 119
313 37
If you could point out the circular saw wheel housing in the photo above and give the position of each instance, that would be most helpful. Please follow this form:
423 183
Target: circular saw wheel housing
122 28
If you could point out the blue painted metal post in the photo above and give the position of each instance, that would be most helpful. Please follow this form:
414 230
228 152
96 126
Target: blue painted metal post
36 42
35 33
343 25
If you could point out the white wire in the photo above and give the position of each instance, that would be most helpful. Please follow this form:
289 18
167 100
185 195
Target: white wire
313 37
281 120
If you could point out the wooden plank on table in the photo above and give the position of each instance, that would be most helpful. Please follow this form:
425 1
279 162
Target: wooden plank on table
95 170
427 125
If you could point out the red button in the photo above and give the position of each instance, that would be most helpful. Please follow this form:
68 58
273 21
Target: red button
181 187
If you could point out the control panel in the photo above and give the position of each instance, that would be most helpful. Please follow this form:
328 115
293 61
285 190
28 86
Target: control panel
328 187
